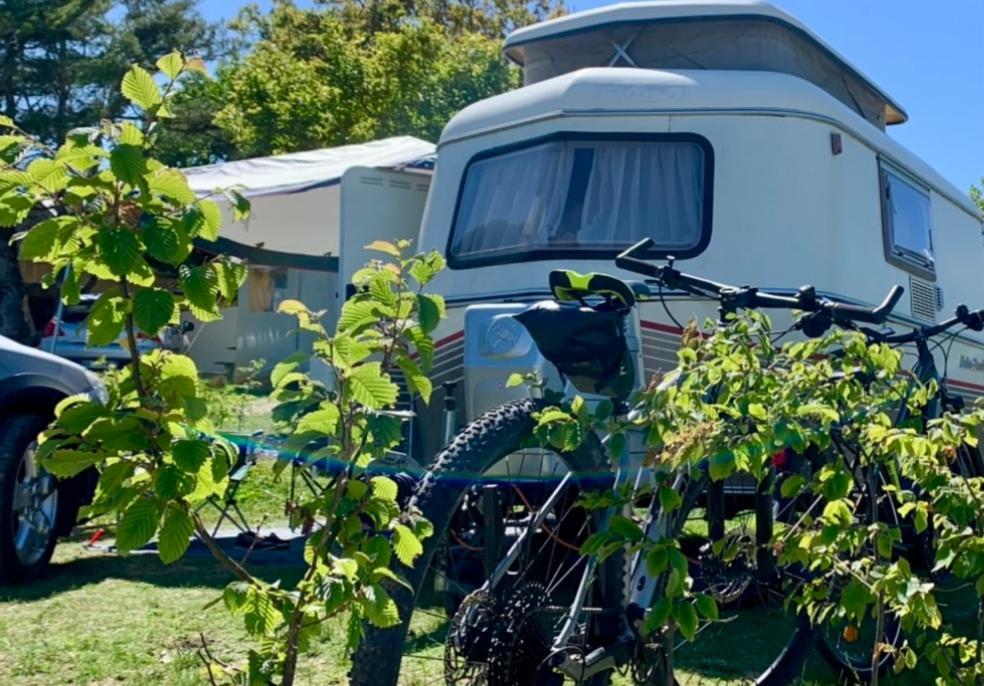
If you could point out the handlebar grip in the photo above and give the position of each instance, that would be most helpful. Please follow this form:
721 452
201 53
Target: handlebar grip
628 261
639 247
878 315
888 304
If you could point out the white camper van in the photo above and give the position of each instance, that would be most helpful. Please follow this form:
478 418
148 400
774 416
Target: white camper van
729 133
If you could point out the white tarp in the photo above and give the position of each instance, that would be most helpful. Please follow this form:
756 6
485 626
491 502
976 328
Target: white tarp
301 170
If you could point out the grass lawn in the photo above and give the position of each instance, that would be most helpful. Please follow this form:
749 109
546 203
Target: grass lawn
105 619
99 618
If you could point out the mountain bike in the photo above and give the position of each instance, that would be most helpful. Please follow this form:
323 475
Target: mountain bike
547 612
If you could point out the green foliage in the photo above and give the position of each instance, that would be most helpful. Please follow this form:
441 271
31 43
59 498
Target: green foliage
344 72
977 196
63 61
358 526
736 400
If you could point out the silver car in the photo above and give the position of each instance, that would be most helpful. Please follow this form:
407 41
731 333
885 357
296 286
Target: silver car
67 336
35 509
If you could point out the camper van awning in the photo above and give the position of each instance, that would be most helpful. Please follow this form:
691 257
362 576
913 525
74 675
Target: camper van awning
742 35
300 171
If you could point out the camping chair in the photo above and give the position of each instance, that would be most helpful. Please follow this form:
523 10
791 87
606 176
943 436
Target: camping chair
227 506
398 465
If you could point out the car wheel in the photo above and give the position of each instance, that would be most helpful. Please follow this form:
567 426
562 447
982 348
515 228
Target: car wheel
28 501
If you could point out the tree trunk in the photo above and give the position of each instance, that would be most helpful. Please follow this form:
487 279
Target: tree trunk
12 321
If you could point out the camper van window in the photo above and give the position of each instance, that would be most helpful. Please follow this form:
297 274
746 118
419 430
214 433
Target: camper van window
572 197
908 221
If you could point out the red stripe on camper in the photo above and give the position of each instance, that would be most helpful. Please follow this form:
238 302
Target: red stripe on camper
456 336
964 384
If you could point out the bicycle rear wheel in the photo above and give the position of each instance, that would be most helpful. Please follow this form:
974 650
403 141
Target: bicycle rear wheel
500 635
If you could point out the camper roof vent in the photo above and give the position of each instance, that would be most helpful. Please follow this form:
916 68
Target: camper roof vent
923 297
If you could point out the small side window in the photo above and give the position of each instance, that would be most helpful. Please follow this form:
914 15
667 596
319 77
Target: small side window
907 222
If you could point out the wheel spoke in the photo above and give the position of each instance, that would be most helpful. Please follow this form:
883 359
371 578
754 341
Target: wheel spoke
22 496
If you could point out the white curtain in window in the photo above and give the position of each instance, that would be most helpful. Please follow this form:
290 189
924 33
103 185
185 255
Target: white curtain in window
638 190
513 200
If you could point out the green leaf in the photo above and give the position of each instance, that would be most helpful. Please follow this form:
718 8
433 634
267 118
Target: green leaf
105 321
384 488
382 611
80 416
657 560
14 209
286 366
170 483
68 463
626 528
138 524
686 618
658 615
127 163
171 64
190 455
669 499
6 121
131 135
721 465
384 247
51 175
239 203
792 485
706 606
200 286
230 276
175 536
855 599
406 545
140 88
152 309
431 310
119 249
367 386
166 241
178 375
323 421
417 382
211 220
838 512
824 412
515 379
172 184
39 241
235 595
260 615
356 315
757 411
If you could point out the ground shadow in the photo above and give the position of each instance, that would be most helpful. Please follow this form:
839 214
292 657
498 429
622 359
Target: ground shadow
193 571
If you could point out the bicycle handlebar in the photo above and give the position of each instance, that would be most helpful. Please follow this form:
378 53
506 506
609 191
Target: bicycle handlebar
734 297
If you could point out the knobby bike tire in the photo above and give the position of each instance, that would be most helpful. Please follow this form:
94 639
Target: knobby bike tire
479 446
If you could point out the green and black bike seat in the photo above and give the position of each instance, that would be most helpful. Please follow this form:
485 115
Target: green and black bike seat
570 286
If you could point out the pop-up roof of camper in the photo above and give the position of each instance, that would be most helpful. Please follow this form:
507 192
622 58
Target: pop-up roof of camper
743 35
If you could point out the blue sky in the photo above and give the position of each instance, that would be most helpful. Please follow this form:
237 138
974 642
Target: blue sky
926 55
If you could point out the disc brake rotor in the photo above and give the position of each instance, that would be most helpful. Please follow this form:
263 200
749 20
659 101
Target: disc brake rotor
466 648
